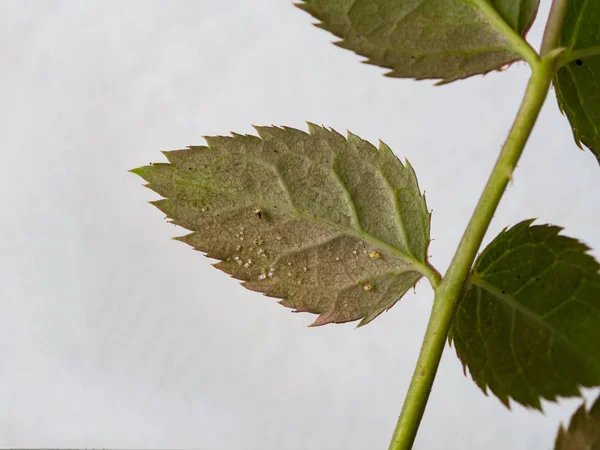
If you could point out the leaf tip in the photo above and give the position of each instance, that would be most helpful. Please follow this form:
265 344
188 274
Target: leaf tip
322 319
139 171
260 129
363 322
384 148
213 141
167 153
442 83
304 6
326 318
313 128
238 135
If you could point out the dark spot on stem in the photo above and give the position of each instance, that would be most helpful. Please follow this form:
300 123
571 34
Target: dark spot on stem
579 62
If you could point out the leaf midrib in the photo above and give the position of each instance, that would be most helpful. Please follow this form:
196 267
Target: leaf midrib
418 265
347 195
514 39
476 280
578 24
408 255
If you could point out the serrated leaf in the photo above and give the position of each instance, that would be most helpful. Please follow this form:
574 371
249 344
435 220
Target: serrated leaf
435 39
578 82
528 325
583 432
333 226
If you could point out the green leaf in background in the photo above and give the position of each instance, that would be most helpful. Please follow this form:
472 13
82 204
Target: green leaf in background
578 82
332 226
528 326
583 432
438 39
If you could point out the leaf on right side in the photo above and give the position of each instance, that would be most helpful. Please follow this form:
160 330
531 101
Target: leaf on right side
583 432
528 325
578 82
427 39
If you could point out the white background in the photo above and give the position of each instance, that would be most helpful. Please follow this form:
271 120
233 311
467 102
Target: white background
113 335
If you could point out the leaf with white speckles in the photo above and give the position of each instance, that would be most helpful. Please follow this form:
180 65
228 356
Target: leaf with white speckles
527 326
330 225
438 39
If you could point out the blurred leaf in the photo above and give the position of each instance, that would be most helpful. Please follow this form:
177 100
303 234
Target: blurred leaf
583 432
439 39
578 82
528 326
333 226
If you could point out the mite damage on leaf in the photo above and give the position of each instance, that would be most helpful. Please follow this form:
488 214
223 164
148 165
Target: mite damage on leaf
301 216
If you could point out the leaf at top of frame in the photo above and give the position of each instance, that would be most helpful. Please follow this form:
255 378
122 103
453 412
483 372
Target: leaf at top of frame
426 39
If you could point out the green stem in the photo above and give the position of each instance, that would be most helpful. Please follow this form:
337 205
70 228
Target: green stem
449 291
554 26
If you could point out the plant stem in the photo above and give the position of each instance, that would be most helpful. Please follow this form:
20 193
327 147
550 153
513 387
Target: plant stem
554 26
448 292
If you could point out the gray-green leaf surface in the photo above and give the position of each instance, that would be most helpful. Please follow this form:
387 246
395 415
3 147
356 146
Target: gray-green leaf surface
438 39
331 225
578 82
528 326
583 432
